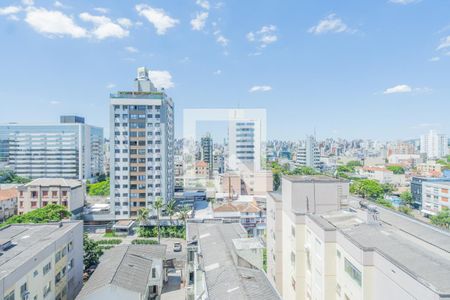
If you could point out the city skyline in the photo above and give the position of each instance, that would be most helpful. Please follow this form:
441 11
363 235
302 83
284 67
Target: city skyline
277 60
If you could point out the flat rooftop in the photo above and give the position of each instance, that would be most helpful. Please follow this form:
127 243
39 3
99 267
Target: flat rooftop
47 182
312 178
225 280
27 240
419 249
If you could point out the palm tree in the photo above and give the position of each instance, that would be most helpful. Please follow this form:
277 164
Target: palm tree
142 215
184 215
170 209
158 205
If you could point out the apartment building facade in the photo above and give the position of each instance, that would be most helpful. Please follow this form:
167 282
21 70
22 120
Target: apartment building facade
353 251
435 197
417 188
8 203
71 149
142 147
42 191
41 261
308 154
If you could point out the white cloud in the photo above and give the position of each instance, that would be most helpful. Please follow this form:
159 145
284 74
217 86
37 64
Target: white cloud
161 79
110 86
185 60
125 22
401 88
445 43
434 59
10 10
198 23
28 2
217 72
265 36
260 88
53 23
131 49
222 40
158 17
13 18
203 3
331 24
403 2
104 27
101 10
55 102
59 4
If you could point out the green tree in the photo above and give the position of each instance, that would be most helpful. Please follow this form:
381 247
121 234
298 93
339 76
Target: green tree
367 188
142 216
405 209
46 214
184 215
100 188
304 171
276 180
388 188
354 163
171 208
396 169
407 198
384 202
158 205
442 219
9 176
92 252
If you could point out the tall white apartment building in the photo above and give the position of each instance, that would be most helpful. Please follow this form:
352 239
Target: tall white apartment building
142 147
71 149
41 261
318 248
244 145
434 145
308 155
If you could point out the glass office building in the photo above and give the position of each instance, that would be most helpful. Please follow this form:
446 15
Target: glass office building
70 149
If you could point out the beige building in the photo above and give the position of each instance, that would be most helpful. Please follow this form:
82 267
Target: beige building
40 192
8 203
41 261
355 251
429 168
247 183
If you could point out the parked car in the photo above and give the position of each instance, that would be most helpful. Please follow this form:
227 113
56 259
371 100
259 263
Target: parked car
177 247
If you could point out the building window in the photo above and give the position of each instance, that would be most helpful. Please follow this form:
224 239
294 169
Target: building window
353 272
10 296
153 273
47 268
47 288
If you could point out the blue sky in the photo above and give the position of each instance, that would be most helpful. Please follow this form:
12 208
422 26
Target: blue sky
351 69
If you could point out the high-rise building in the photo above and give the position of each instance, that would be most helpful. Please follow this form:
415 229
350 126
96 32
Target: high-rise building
434 145
207 148
142 147
71 149
308 154
244 147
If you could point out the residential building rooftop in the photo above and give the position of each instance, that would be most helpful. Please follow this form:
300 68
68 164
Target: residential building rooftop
225 279
21 242
417 248
8 194
312 178
72 183
125 266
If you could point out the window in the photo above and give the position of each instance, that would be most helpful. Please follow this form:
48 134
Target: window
23 289
352 271
35 273
47 268
153 273
10 296
47 288
57 256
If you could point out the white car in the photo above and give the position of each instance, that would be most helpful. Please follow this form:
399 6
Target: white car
177 247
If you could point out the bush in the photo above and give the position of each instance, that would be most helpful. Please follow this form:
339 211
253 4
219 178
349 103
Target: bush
111 234
144 242
99 188
385 203
110 242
